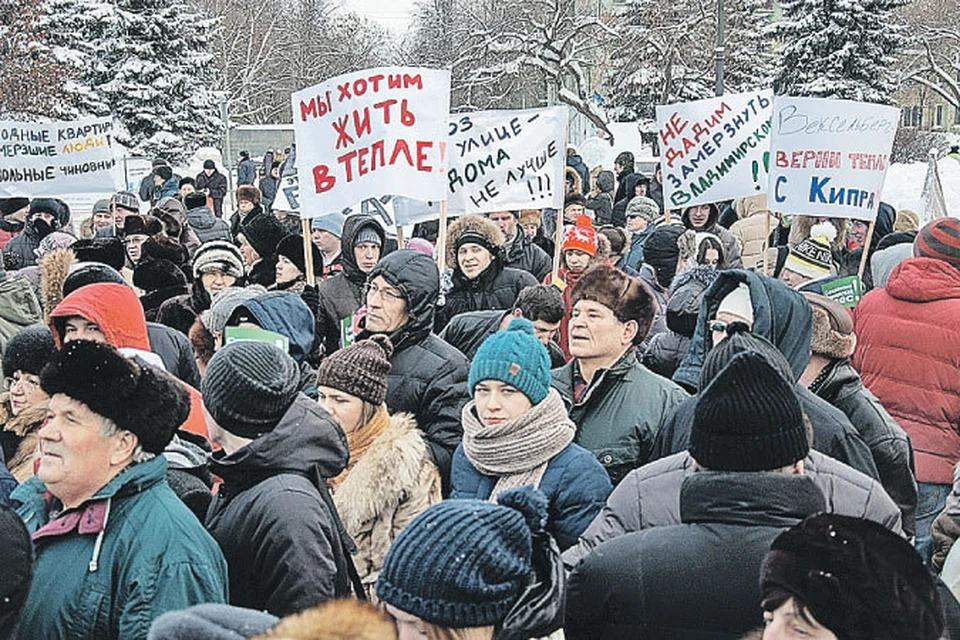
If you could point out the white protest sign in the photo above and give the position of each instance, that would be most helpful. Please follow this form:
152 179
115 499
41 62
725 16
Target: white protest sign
57 158
288 191
829 157
506 160
374 131
714 149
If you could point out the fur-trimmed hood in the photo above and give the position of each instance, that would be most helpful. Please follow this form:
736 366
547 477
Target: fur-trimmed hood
801 226
53 272
385 475
473 224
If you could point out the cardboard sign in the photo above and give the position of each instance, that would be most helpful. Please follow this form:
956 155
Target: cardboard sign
829 157
288 191
57 159
847 291
240 334
506 160
714 149
374 131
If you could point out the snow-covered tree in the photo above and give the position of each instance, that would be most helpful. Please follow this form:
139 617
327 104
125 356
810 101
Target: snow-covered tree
666 53
145 62
513 53
31 79
839 48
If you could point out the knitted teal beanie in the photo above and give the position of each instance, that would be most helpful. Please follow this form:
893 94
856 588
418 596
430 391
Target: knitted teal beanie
514 357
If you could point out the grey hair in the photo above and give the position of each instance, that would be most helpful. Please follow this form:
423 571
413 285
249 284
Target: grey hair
109 428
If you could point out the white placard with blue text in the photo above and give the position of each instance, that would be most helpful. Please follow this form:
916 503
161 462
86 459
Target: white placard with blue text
829 157
506 160
714 149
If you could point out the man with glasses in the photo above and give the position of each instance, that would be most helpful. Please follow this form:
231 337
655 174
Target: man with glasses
427 377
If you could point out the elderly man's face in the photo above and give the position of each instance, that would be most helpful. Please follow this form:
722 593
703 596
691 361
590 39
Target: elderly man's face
76 458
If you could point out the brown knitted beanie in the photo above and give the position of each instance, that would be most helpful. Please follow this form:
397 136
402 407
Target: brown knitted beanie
360 369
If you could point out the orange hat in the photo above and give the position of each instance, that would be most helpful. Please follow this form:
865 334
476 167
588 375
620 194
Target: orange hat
582 237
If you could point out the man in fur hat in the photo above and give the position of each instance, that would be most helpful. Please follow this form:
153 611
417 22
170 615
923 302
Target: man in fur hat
115 546
616 402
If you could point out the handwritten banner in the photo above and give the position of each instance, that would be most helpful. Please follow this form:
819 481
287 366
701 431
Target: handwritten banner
57 158
506 160
829 157
714 149
374 131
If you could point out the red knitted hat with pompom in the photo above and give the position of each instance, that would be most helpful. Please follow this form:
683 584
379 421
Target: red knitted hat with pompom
582 237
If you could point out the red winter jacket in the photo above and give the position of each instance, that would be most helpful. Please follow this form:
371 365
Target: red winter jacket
908 354
116 309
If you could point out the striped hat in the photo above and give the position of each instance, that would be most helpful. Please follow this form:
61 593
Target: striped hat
812 257
218 255
940 239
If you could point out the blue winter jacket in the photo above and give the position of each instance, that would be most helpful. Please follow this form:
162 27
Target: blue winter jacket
575 483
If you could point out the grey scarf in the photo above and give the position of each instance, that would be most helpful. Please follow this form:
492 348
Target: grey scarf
517 452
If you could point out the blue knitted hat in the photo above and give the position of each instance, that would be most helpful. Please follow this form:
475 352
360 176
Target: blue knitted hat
464 563
514 357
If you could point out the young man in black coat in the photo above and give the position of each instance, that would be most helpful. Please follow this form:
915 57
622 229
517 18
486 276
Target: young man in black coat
273 516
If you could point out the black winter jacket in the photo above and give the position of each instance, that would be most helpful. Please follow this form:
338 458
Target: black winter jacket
238 220
341 295
208 226
273 516
840 385
496 288
175 351
467 331
523 254
428 377
19 251
832 432
216 183
664 352
695 580
650 497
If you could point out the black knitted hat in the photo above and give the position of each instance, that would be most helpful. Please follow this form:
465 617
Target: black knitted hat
360 369
148 402
291 248
661 252
141 225
857 579
748 419
12 205
29 351
248 386
264 233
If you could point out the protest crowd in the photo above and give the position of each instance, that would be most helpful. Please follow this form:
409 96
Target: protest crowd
614 418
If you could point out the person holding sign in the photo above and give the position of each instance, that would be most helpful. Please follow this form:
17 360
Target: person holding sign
291 265
703 217
481 282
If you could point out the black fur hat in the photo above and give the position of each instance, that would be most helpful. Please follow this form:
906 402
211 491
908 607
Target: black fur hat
153 275
29 350
109 251
148 402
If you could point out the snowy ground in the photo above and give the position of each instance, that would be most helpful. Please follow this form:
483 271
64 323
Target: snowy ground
905 182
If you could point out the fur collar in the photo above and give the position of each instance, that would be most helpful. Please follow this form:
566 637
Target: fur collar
53 272
384 476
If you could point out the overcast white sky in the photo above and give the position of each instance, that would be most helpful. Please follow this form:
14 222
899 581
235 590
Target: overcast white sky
393 14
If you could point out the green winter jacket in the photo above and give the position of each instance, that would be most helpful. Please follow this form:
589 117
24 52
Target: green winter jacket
108 568
19 308
620 413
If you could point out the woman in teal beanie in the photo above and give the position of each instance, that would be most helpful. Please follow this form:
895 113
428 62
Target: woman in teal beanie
516 432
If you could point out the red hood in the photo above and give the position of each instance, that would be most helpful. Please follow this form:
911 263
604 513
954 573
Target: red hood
115 308
924 280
